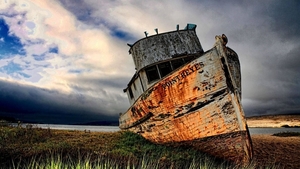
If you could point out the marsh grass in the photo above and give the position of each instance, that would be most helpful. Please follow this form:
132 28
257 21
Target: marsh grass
58 162
32 147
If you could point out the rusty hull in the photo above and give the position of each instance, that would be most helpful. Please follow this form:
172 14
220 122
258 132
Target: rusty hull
199 105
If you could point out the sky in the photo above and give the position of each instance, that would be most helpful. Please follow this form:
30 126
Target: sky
67 62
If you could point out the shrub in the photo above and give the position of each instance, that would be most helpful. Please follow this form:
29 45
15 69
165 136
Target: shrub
287 134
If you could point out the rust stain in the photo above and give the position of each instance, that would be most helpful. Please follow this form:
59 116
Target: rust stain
198 104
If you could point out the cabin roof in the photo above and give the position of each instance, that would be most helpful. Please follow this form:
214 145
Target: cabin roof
188 27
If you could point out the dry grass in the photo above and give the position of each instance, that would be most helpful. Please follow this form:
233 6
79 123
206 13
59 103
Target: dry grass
33 143
25 144
283 151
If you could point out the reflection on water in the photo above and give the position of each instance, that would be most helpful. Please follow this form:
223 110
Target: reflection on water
272 130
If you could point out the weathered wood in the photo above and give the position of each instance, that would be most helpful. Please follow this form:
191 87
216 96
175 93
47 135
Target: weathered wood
164 46
197 104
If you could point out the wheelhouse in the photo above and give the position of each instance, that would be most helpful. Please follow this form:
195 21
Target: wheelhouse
157 56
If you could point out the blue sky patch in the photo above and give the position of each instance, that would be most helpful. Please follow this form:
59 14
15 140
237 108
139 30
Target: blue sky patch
39 57
43 56
10 45
12 68
35 41
24 75
75 71
121 34
53 50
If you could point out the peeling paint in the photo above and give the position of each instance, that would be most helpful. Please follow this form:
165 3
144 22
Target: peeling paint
197 104
164 46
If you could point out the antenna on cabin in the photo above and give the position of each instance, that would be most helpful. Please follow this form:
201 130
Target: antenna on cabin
156 30
177 27
146 34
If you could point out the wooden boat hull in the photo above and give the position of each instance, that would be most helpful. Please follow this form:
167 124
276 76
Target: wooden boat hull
198 105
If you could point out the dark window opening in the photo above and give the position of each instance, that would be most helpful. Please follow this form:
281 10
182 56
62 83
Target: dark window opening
134 86
152 73
177 63
164 68
189 58
130 92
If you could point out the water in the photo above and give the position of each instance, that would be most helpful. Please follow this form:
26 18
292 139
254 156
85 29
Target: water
252 131
80 127
76 127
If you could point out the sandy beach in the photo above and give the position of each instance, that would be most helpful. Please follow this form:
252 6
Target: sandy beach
272 150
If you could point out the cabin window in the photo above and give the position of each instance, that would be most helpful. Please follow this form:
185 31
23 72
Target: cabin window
177 63
161 70
189 58
152 73
134 86
130 92
164 68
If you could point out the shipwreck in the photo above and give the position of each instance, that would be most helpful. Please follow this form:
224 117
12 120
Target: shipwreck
181 94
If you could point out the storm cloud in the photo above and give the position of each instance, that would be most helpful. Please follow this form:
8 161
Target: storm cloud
67 62
50 106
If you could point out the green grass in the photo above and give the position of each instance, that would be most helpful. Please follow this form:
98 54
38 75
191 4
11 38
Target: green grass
56 161
31 147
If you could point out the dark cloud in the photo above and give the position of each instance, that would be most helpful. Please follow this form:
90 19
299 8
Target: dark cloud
82 11
285 18
264 34
117 82
50 106
85 12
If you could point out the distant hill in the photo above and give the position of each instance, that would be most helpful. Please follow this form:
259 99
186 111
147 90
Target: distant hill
8 119
274 121
95 123
276 117
101 123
